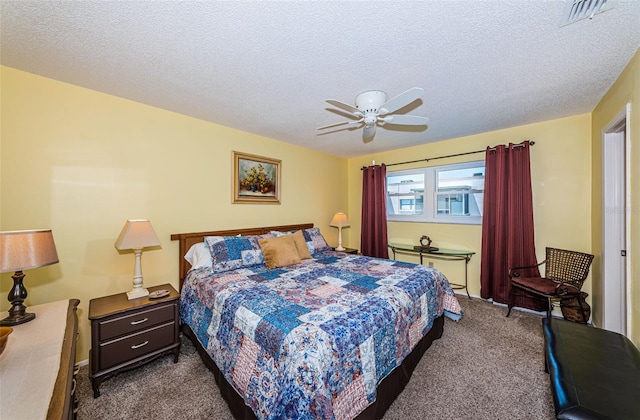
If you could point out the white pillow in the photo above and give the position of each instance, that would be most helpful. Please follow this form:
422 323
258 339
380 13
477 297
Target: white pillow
199 256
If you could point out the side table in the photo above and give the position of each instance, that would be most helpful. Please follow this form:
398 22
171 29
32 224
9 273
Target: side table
441 254
126 334
347 250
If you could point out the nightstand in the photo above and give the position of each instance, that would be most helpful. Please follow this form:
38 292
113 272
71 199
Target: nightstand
126 334
348 250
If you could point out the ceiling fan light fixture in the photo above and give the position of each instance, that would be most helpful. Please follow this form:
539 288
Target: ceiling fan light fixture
370 119
371 100
372 108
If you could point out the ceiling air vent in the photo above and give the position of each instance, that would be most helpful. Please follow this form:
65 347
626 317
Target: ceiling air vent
576 10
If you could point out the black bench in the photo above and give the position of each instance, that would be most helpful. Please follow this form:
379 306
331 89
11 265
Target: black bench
594 373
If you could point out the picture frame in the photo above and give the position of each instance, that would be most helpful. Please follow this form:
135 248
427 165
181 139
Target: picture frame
256 179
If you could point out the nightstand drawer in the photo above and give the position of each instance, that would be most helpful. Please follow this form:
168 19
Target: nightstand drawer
140 320
132 346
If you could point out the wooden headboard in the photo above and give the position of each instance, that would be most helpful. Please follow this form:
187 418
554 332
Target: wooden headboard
186 240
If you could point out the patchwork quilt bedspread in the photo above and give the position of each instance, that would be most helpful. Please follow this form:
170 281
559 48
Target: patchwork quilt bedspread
315 339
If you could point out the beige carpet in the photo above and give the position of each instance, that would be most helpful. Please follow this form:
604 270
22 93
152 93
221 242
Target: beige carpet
486 366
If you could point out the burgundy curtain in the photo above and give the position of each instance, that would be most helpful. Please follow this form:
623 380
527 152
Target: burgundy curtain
373 233
507 223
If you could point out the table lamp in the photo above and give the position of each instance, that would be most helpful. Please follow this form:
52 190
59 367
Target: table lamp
23 250
136 235
339 220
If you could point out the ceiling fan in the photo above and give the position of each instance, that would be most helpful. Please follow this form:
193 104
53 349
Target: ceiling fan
372 108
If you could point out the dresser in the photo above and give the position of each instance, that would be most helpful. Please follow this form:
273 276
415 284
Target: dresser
37 368
126 334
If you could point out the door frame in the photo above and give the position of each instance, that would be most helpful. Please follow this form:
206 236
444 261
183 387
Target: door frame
612 158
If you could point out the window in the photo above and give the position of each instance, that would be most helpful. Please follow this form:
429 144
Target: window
439 194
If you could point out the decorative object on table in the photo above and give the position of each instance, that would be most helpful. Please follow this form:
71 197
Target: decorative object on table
339 220
4 337
576 308
136 235
256 179
23 250
425 244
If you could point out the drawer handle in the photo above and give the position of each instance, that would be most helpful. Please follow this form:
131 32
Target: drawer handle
139 322
137 346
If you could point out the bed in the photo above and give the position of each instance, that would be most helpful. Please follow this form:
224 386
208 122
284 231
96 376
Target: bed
292 329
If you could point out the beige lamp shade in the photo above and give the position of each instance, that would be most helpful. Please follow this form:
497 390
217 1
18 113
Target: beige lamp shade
22 250
137 234
25 249
339 220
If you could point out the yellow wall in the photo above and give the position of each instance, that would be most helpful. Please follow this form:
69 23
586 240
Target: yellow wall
82 162
625 90
561 182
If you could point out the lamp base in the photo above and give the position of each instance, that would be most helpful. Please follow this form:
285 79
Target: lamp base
340 248
18 312
137 293
16 319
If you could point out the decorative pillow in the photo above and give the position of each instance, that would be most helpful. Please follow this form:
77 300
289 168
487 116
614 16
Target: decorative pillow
301 245
199 256
279 252
232 252
313 238
298 238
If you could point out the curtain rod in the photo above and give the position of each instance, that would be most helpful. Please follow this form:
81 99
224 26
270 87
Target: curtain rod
531 143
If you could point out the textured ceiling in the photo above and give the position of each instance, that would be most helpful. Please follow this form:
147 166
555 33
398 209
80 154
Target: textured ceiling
267 67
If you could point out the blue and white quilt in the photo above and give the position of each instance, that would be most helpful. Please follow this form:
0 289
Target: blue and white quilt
315 339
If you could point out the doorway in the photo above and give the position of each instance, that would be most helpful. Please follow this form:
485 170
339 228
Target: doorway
616 235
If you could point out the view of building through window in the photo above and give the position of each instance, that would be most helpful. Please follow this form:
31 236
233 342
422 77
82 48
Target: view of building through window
451 193
460 192
405 194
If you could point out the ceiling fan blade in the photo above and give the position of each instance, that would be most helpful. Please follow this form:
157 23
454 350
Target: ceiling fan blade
400 101
344 106
368 132
341 123
405 120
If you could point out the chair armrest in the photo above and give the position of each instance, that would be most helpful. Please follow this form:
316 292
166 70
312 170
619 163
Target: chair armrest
513 271
560 292
561 283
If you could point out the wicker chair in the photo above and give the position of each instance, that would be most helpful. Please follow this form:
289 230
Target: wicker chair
565 271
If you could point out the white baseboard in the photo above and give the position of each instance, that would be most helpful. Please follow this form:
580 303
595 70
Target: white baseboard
530 311
515 308
542 313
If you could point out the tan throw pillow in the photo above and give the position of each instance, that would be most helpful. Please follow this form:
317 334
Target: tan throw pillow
301 245
279 252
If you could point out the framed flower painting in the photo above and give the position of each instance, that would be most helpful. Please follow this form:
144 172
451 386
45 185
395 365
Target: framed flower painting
256 179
